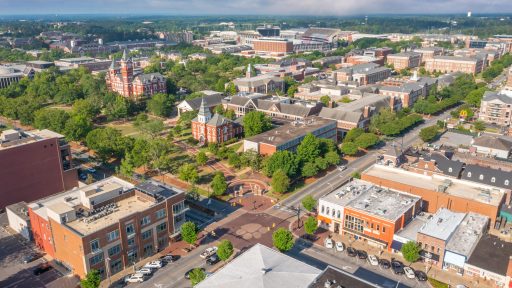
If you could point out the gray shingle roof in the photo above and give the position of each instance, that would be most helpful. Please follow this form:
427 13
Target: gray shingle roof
341 115
211 101
485 175
444 164
493 142
491 95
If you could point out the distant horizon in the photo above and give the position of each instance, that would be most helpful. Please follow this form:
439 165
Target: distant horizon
255 7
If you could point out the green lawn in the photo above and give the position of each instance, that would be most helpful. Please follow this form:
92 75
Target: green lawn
437 284
127 129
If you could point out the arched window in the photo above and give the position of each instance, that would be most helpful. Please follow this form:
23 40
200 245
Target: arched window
327 211
493 179
323 209
481 177
450 169
338 214
506 182
469 174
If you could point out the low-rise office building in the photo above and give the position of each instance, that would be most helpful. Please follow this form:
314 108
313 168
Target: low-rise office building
367 212
429 52
289 136
439 191
404 60
447 64
496 109
107 226
363 74
492 146
264 83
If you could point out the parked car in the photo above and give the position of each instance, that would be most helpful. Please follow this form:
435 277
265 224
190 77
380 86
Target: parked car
384 264
420 275
187 274
45 267
340 247
154 264
351 252
373 260
169 258
135 278
209 252
91 170
212 260
29 258
342 167
145 271
83 176
328 243
409 272
398 267
361 254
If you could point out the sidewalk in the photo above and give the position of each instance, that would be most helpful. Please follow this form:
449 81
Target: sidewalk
448 277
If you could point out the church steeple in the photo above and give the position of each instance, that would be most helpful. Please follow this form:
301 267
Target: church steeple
204 115
248 73
124 55
113 65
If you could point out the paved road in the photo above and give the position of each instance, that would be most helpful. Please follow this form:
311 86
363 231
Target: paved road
320 257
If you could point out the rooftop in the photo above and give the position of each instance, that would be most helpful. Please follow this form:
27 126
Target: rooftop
439 183
454 58
334 277
405 54
98 205
287 132
373 200
262 267
442 225
493 142
20 209
453 139
13 138
467 234
491 254
410 231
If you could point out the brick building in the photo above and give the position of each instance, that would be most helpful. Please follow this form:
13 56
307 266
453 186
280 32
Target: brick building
108 225
429 52
289 136
367 212
447 64
213 129
264 83
404 60
132 85
34 164
362 74
496 108
439 191
273 45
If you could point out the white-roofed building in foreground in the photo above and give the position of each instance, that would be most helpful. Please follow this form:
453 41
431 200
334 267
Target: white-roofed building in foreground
262 267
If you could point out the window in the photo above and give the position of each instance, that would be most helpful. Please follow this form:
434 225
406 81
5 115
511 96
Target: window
469 174
130 229
323 209
111 236
353 223
148 250
95 245
481 177
161 227
506 182
96 259
145 220
450 169
132 256
131 242
333 212
116 266
146 234
178 207
114 250
160 214
338 214
383 229
378 227
327 211
493 179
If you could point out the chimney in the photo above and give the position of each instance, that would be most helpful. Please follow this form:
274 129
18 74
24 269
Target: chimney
366 112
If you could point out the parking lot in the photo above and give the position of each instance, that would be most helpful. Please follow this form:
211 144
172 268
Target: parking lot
13 272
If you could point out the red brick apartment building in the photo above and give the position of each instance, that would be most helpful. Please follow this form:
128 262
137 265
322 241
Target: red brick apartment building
448 64
34 164
404 60
108 225
273 45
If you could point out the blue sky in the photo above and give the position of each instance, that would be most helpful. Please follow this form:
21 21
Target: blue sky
264 7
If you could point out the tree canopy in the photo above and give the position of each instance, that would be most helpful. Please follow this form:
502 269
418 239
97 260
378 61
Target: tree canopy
309 203
91 280
411 251
225 250
219 185
189 232
280 182
283 239
256 122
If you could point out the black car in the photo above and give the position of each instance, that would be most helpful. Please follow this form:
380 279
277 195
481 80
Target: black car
361 254
42 269
169 258
351 252
187 274
384 264
398 267
212 260
420 275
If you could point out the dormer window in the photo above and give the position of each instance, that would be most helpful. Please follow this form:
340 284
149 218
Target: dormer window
506 182
450 170
481 177
493 179
469 174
